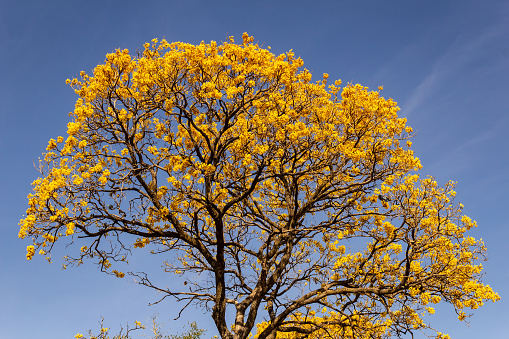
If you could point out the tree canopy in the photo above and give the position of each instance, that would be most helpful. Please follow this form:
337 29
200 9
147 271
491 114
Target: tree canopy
295 204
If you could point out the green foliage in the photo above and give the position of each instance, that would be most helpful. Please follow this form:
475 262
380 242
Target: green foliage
193 333
156 332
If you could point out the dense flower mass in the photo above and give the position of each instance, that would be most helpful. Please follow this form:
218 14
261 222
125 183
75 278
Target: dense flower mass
256 178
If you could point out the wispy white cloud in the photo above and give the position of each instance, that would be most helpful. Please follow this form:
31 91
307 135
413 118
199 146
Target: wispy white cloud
452 64
471 155
421 92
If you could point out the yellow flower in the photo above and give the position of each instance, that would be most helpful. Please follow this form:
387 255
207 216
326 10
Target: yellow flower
118 274
73 128
51 144
77 180
30 252
70 229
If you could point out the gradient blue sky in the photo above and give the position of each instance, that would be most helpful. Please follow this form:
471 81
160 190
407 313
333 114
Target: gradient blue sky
445 62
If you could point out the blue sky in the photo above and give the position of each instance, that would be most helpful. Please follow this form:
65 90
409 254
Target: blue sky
445 62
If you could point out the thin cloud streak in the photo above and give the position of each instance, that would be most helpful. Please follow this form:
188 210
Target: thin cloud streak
451 65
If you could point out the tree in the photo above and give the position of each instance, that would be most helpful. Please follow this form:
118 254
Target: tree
192 333
229 162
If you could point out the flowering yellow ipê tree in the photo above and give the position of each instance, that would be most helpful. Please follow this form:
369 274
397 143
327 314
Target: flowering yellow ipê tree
297 203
